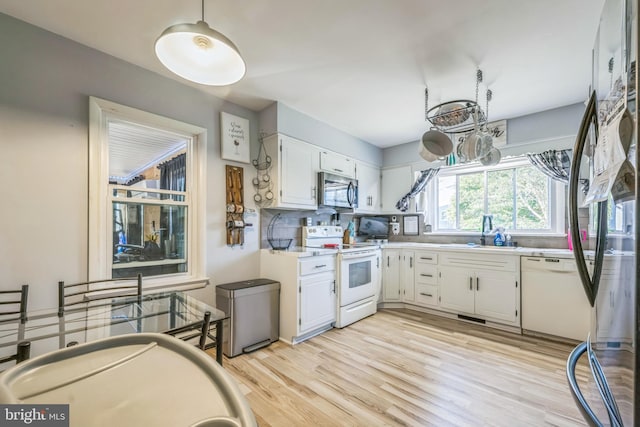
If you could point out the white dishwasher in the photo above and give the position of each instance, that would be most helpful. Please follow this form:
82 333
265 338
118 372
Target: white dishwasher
553 300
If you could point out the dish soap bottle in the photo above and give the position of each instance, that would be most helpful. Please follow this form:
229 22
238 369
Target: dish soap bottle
499 239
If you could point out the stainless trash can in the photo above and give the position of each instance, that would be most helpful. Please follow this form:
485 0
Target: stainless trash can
253 307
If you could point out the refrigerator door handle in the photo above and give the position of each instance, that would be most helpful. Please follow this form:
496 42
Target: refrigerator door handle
590 283
586 411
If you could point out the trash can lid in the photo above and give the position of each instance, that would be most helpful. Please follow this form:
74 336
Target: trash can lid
245 284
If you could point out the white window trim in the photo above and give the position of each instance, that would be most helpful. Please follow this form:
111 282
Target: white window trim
558 198
99 266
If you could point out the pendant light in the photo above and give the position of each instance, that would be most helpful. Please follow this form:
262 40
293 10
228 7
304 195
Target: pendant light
200 54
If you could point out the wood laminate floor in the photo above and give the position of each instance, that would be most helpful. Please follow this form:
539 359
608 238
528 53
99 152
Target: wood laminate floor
401 367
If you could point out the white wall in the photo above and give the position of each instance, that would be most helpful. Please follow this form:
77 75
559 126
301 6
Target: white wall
44 113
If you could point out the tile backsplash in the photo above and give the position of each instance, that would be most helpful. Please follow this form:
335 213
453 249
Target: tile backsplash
289 224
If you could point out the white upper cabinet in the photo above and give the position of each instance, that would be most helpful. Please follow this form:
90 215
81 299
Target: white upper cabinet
368 188
295 166
396 182
337 163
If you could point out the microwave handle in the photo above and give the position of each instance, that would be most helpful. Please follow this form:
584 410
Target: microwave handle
350 193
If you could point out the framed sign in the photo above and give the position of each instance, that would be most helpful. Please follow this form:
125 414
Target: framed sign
234 138
410 225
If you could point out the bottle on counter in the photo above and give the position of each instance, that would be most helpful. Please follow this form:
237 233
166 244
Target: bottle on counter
499 240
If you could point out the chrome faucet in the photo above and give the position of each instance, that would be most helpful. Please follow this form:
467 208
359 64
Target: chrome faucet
487 226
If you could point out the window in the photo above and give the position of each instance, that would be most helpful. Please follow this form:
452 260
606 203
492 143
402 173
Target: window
519 197
146 192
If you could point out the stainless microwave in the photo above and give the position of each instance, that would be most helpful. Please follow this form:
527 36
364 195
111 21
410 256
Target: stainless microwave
337 191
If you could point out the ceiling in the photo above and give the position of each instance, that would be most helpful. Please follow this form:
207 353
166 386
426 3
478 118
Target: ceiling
360 65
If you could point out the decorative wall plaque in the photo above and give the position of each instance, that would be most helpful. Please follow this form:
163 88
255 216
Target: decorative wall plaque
235 138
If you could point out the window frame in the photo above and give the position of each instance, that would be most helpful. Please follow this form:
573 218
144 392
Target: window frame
100 238
557 198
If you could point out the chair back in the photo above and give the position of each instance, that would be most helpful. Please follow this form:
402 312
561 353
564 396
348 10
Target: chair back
13 305
78 295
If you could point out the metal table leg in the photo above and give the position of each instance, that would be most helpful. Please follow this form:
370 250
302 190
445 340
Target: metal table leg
205 329
219 341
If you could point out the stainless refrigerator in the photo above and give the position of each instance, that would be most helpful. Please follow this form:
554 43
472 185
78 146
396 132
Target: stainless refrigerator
602 371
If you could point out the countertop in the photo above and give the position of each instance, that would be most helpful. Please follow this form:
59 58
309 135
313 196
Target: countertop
473 248
301 252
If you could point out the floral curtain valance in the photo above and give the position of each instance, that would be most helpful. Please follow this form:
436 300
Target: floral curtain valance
418 186
556 164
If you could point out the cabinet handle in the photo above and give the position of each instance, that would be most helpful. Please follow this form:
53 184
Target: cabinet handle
338 170
470 283
377 262
410 262
333 291
477 283
387 260
426 295
426 275
428 259
321 265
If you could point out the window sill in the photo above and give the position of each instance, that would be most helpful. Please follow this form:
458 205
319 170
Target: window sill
175 283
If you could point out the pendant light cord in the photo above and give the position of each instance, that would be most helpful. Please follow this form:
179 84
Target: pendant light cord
202 10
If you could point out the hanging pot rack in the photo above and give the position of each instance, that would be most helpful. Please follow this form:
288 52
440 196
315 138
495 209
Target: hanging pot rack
458 116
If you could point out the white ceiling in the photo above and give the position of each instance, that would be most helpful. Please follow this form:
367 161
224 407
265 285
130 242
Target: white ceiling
360 65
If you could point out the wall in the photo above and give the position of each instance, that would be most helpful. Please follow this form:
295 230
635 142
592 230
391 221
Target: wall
44 113
281 118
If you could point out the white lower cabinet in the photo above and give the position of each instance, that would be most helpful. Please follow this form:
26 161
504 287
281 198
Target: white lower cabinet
457 293
317 301
426 279
391 275
307 292
407 281
484 287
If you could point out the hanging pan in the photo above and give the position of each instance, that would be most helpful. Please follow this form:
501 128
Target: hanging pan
435 145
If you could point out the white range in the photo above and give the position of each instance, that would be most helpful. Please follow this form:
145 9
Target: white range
358 273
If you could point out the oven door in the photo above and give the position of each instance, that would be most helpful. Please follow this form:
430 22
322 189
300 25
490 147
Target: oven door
358 279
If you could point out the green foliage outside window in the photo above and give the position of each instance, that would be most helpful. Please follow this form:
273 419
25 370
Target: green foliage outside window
518 198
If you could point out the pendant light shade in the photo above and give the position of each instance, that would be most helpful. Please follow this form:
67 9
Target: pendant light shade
198 53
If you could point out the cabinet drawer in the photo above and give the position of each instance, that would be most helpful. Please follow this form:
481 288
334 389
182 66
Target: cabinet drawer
427 294
317 264
426 257
427 274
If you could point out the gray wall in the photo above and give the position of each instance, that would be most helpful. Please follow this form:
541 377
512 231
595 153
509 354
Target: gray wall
281 118
44 113
551 129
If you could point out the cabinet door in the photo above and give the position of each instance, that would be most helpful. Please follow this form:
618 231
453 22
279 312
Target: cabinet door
368 188
317 301
407 276
496 295
337 163
391 275
298 170
457 289
396 182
